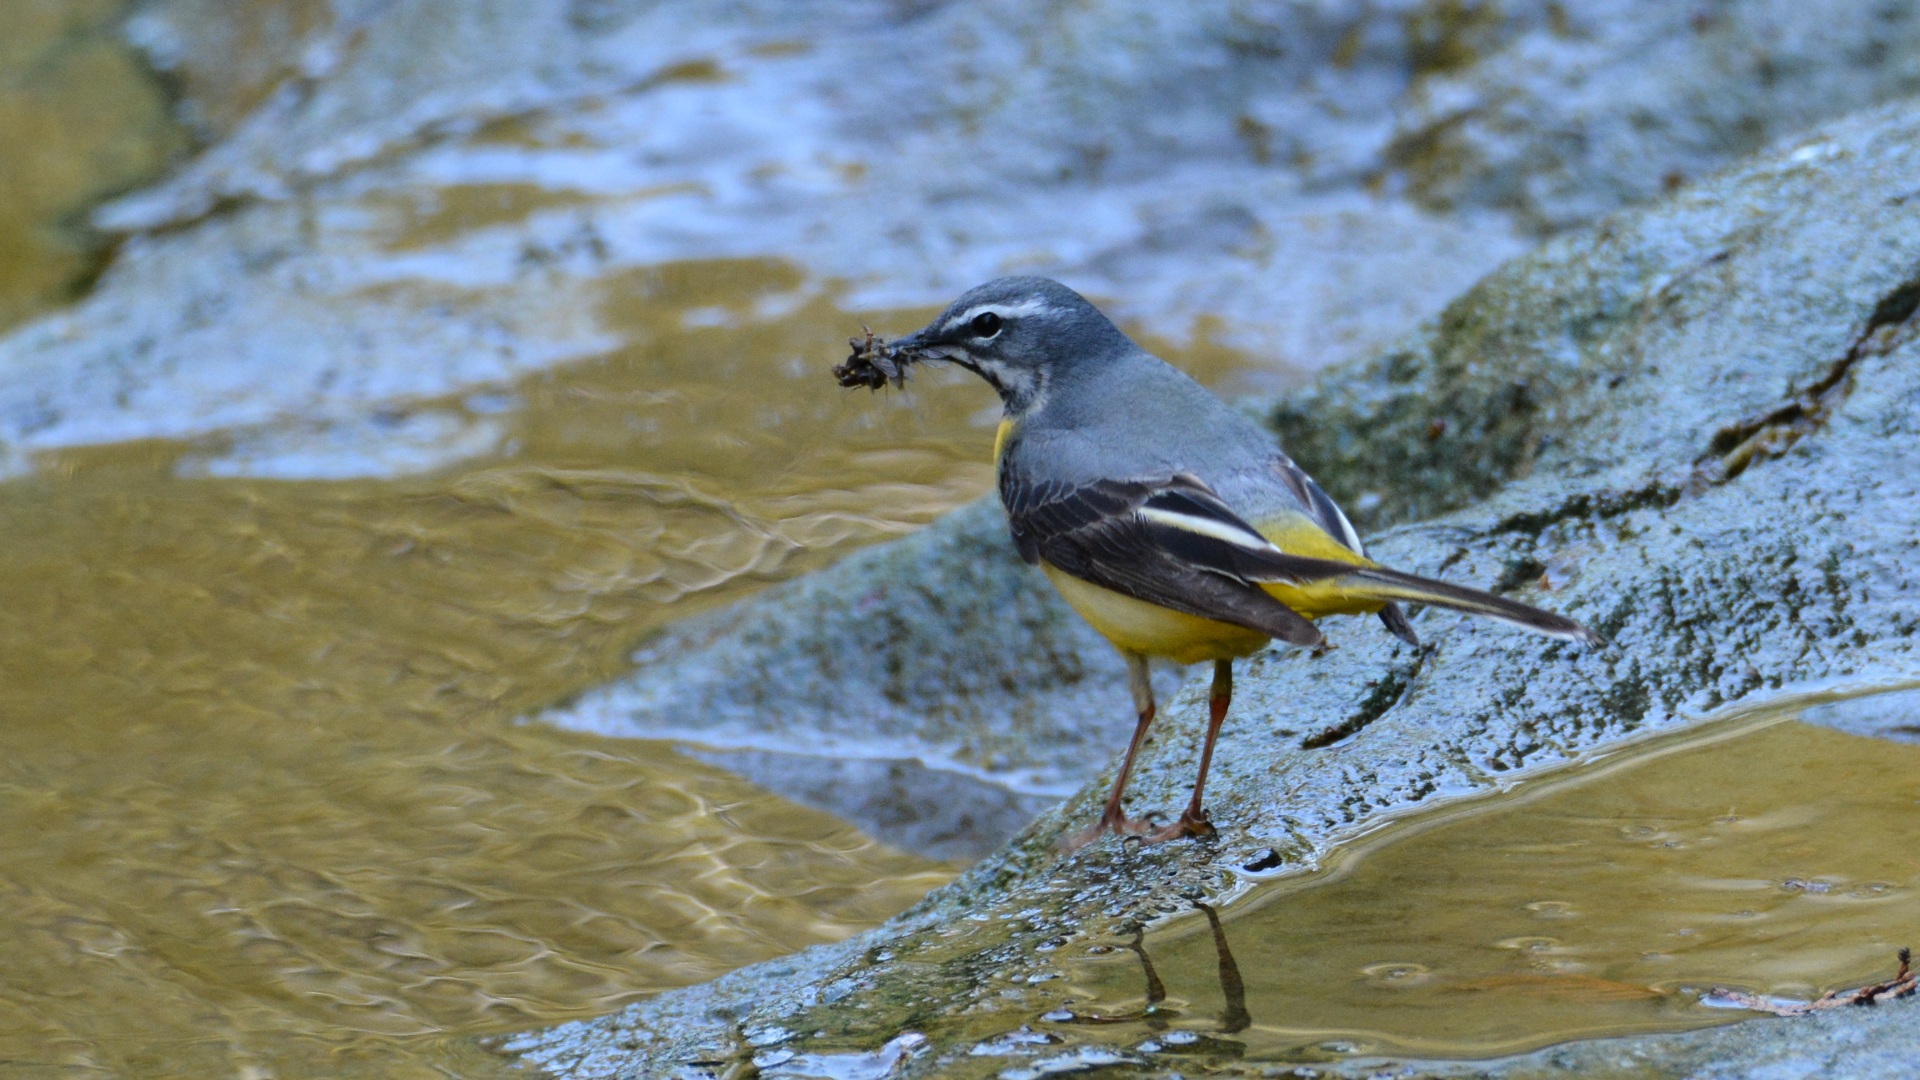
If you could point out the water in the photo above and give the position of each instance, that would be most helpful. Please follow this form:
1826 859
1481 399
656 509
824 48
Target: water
1760 854
265 808
265 802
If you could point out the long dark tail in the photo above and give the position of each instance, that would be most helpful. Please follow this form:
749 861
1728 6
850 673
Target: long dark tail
1384 584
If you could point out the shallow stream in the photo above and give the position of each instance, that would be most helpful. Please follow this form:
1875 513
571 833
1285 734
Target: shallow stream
1758 854
267 808
266 804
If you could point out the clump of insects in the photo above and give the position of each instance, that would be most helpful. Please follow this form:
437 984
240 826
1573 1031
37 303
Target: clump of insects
873 363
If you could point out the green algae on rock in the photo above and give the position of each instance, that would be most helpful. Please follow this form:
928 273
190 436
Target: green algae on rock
81 120
1717 469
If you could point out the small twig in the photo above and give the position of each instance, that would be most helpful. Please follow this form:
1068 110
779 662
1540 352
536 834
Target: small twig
1903 984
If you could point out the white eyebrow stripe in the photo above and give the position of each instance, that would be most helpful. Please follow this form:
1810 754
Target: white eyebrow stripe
1032 305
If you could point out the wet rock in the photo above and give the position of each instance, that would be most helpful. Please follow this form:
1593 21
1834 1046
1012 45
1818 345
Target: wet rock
82 120
1693 427
1308 180
1595 108
1893 716
935 812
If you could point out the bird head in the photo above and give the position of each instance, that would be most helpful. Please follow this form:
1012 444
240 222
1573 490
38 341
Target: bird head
1020 334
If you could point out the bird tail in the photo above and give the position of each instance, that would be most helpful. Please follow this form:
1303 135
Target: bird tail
1380 583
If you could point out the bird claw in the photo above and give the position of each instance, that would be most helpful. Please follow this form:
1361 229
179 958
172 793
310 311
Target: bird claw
1190 824
1117 824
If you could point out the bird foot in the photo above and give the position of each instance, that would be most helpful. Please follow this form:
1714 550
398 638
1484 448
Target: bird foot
1118 824
1191 823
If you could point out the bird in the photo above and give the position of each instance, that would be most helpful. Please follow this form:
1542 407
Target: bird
1170 521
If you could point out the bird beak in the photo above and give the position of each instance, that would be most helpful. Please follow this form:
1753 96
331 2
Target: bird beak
921 345
913 342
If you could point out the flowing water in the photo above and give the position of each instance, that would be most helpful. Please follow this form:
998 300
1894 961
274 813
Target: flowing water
1759 854
266 808
265 804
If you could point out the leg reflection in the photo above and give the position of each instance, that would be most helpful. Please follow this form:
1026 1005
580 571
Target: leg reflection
1232 988
1235 1018
1156 990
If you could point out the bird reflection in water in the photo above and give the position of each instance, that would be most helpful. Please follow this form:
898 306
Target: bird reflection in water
1234 1018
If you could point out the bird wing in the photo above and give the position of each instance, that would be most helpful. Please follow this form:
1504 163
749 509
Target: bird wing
1167 540
1318 504
1171 541
1321 507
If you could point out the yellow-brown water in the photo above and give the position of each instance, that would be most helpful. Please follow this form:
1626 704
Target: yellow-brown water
1768 855
264 805
264 809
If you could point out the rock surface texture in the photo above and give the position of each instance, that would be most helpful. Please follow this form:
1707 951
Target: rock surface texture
1313 177
1308 179
1695 427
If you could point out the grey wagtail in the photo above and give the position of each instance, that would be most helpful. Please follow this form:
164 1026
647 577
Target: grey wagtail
1169 520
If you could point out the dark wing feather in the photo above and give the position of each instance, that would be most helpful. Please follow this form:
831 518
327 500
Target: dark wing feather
1331 518
1395 618
1098 533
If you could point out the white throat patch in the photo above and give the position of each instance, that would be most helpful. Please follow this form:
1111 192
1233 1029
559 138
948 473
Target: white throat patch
1023 384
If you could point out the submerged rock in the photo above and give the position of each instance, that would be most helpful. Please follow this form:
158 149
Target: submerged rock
965 699
1894 716
1695 427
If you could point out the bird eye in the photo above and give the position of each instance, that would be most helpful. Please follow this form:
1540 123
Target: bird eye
986 324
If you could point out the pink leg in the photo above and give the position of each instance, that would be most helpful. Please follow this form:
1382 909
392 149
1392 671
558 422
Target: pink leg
1114 819
1193 822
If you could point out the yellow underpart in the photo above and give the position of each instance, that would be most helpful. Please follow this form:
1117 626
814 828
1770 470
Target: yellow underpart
1298 534
1140 627
1149 629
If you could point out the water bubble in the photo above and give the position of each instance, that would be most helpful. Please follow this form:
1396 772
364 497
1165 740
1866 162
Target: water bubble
1397 974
